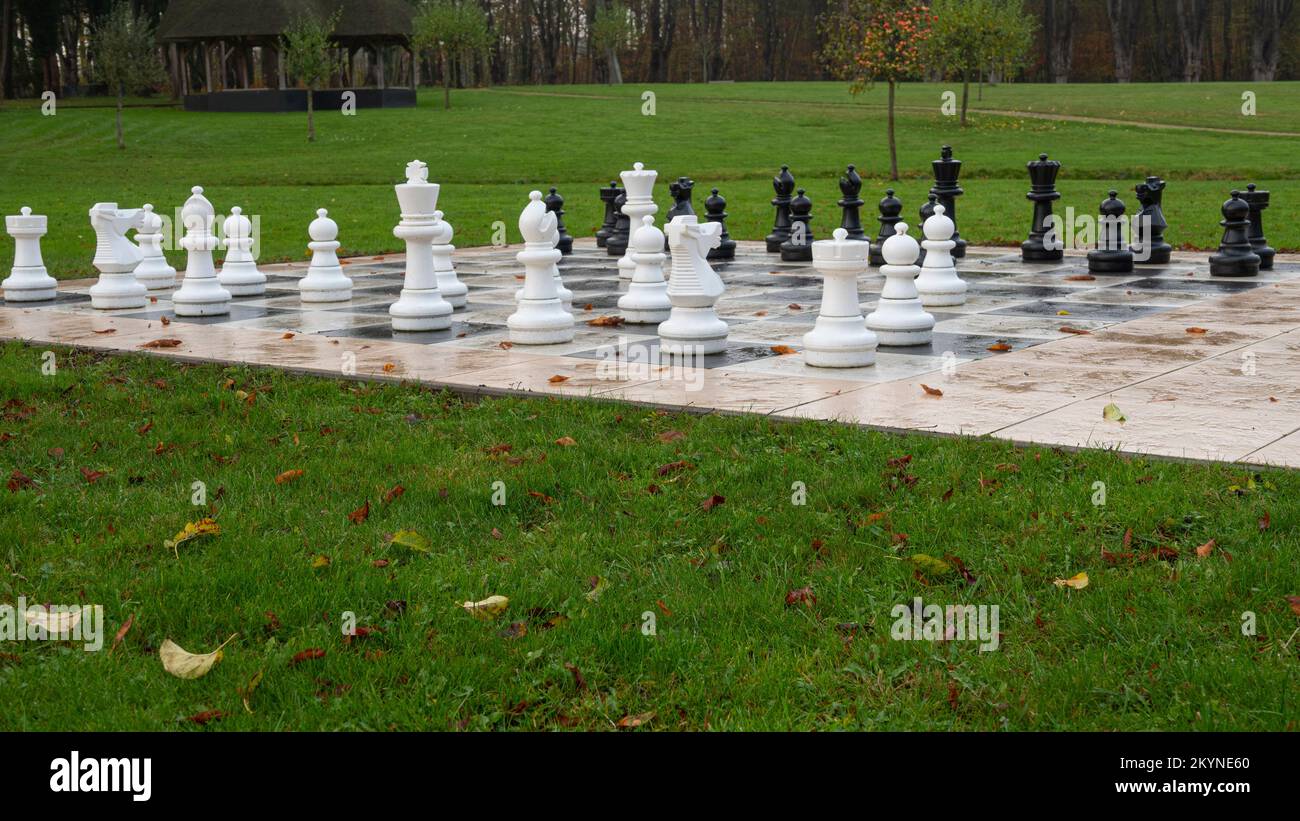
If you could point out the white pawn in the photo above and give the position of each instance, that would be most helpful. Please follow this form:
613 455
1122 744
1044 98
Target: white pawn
239 273
200 293
693 327
29 281
325 280
540 318
565 295
899 318
421 306
451 288
116 258
840 338
646 300
153 270
938 283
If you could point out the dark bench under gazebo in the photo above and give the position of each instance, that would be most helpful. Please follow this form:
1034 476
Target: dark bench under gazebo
224 55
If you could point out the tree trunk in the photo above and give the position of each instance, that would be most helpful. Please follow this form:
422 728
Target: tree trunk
965 94
446 80
893 147
1268 18
1058 26
1192 27
121 93
311 114
615 70
6 41
1123 16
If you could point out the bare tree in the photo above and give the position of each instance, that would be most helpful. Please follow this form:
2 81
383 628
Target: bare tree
1268 17
1193 28
1123 16
1058 26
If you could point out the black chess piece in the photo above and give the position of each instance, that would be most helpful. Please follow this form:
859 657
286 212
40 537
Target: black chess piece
1111 255
715 210
798 248
946 188
1042 193
1236 258
891 209
851 204
783 184
1258 201
681 193
1149 246
616 245
925 213
607 196
555 204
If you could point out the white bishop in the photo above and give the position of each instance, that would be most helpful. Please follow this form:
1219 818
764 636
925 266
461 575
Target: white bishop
540 318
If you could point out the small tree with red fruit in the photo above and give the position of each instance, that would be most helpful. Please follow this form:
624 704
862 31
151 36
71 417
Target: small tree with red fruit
881 40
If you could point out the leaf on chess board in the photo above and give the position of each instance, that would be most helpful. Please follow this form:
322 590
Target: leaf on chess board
782 350
1062 312
505 344
557 379
1076 582
1196 330
389 367
165 321
287 335
999 347
359 515
612 321
288 476
183 664
760 313
488 608
795 306
931 391
163 343
107 331
1080 278
1112 413
566 441
1069 329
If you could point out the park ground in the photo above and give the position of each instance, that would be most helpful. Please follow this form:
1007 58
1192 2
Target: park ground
767 613
494 145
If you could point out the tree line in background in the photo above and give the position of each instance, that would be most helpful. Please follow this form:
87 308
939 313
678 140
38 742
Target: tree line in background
47 44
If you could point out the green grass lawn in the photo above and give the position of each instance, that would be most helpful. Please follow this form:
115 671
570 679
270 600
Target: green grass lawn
495 145
1153 642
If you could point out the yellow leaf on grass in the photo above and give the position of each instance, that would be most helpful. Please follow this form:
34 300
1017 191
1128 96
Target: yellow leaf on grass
929 565
489 608
412 539
193 530
183 664
1076 582
320 561
246 692
1112 413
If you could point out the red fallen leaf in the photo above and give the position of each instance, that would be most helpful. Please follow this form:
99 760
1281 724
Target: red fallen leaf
803 595
1007 467
206 716
537 494
947 494
653 490
566 441
496 534
360 514
1038 621
557 379
819 547
671 436
663 608
782 350
1070 329
287 335
165 321
307 655
899 461
952 695
998 347
19 481
672 467
379 563
163 343
629 722
1265 521
931 391
495 449
795 306
611 321
962 570
1142 480
1196 330
393 493
92 476
121 632
578 681
272 622
1294 601
588 307
288 476
145 428
107 331
1080 278
1164 553
760 313
712 502
505 345
1128 539
1205 549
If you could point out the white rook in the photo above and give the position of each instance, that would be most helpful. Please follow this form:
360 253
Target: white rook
540 318
840 338
29 281
899 318
325 280
116 258
421 306
200 293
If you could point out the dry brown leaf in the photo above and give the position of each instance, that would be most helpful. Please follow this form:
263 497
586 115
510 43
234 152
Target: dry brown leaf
1069 329
1195 330
163 343
288 476
557 379
360 514
998 347
566 441
931 391
782 350
1205 549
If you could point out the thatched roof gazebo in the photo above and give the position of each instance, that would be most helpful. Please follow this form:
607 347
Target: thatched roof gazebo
224 55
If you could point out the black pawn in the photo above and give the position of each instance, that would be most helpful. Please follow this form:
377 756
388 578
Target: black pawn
925 213
947 190
891 209
783 185
607 196
555 204
798 248
715 210
1042 193
1236 257
616 245
1149 246
1111 255
1258 201
851 204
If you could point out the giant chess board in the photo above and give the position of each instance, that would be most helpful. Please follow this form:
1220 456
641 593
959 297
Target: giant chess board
1203 367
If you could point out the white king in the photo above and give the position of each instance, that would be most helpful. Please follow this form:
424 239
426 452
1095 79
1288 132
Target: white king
421 306
540 318
29 281
693 327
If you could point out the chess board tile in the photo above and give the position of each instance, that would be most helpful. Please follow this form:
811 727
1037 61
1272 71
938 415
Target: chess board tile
1099 312
887 368
646 349
384 331
1027 327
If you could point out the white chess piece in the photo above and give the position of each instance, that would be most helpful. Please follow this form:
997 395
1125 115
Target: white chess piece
899 318
840 338
116 258
646 300
153 270
421 306
200 293
451 288
28 281
938 283
565 295
239 274
540 318
639 186
693 327
325 280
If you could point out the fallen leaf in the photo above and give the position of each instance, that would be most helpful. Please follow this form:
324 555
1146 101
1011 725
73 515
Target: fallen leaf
597 585
612 321
566 441
557 379
287 335
389 367
712 502
393 493
183 664
1075 582
55 624
1195 330
92 476
929 565
359 515
121 632
505 344
1080 278
287 476
802 595
782 350
193 530
628 722
1294 601
671 436
206 716
19 481
931 391
320 561
1069 329
1265 521
163 343
412 539
488 608
310 654
1062 312
1112 413
999 347
1205 549
246 692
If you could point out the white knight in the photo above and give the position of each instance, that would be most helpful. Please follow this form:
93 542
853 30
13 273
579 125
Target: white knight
693 326
116 258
